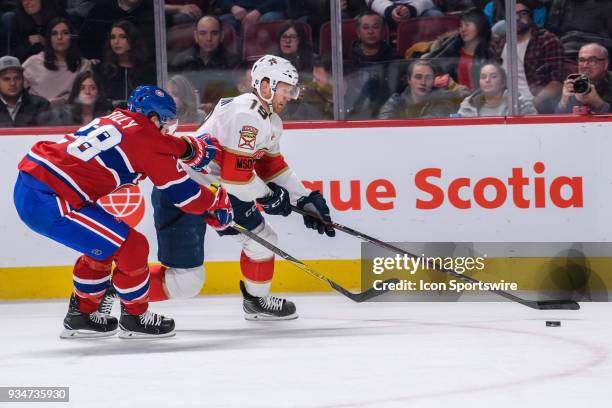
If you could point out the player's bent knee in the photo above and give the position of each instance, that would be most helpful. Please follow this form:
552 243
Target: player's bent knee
183 283
133 253
256 251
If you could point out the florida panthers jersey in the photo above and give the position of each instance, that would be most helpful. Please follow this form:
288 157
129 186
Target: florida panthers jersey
112 151
251 156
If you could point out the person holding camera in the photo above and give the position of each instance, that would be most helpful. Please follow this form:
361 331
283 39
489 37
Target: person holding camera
591 87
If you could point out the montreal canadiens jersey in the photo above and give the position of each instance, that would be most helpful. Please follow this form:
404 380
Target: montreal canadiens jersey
251 155
110 152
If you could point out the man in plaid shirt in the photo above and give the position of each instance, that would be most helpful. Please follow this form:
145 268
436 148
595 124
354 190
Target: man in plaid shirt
540 60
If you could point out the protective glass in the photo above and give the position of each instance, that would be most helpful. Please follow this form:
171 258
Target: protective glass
169 126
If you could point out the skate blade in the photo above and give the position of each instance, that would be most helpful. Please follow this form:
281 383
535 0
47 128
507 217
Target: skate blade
130 335
69 334
267 317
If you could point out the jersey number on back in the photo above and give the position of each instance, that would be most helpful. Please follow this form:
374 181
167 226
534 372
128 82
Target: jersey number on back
94 140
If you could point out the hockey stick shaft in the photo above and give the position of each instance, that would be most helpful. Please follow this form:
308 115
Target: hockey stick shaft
540 305
357 297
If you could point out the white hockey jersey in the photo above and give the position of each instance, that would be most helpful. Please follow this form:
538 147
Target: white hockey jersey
251 154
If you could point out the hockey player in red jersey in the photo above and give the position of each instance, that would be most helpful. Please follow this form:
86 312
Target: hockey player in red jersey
60 182
252 169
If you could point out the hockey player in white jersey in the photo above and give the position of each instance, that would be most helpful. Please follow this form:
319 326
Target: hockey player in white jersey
252 169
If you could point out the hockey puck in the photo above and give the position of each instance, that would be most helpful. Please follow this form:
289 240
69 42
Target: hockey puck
553 323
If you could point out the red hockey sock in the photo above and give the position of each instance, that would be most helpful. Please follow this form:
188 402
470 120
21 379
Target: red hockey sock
157 290
91 278
133 289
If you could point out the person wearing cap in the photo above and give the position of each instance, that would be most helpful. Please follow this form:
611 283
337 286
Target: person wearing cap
540 56
17 106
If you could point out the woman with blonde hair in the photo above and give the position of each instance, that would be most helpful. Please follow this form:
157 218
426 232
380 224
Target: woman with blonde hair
186 99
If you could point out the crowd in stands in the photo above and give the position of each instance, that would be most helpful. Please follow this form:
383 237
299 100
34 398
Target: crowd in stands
62 62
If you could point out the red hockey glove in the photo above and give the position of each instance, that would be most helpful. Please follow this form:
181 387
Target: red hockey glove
202 150
220 215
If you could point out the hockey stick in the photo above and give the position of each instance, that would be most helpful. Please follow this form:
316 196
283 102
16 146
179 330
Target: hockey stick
356 297
534 304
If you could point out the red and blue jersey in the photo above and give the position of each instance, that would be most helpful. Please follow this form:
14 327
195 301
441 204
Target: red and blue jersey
113 151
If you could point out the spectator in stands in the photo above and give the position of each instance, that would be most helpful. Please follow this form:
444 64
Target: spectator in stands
7 15
208 52
462 54
578 22
397 11
496 13
593 62
370 45
540 65
17 106
77 11
246 12
29 25
242 76
126 63
186 99
50 73
491 98
86 101
316 98
419 99
207 63
184 11
293 44
368 71
105 13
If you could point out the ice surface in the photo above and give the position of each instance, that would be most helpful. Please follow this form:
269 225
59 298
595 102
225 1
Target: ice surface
337 354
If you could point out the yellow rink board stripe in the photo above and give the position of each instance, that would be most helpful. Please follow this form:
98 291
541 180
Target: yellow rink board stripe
47 282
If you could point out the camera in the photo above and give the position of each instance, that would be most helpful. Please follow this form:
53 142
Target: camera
581 82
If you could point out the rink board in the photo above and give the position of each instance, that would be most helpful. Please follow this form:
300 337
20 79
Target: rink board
415 187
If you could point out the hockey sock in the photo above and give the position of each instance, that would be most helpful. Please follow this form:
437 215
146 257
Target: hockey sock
133 289
91 278
157 291
257 273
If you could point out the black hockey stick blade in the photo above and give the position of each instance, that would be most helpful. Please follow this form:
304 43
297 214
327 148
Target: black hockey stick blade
556 305
356 297
362 296
562 304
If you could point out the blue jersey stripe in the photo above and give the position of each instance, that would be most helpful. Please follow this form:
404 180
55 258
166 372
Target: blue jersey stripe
178 193
113 160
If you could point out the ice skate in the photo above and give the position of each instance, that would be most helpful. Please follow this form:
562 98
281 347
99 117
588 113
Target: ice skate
78 324
106 305
148 325
266 308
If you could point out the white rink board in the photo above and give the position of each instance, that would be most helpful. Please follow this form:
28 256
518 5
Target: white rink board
359 155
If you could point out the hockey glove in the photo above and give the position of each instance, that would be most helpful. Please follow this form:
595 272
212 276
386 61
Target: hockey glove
277 203
315 204
200 152
220 215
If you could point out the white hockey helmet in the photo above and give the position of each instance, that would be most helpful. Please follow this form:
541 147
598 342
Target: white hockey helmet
274 69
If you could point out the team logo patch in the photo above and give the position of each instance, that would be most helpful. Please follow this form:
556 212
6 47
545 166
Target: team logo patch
126 204
259 154
159 93
248 134
245 163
